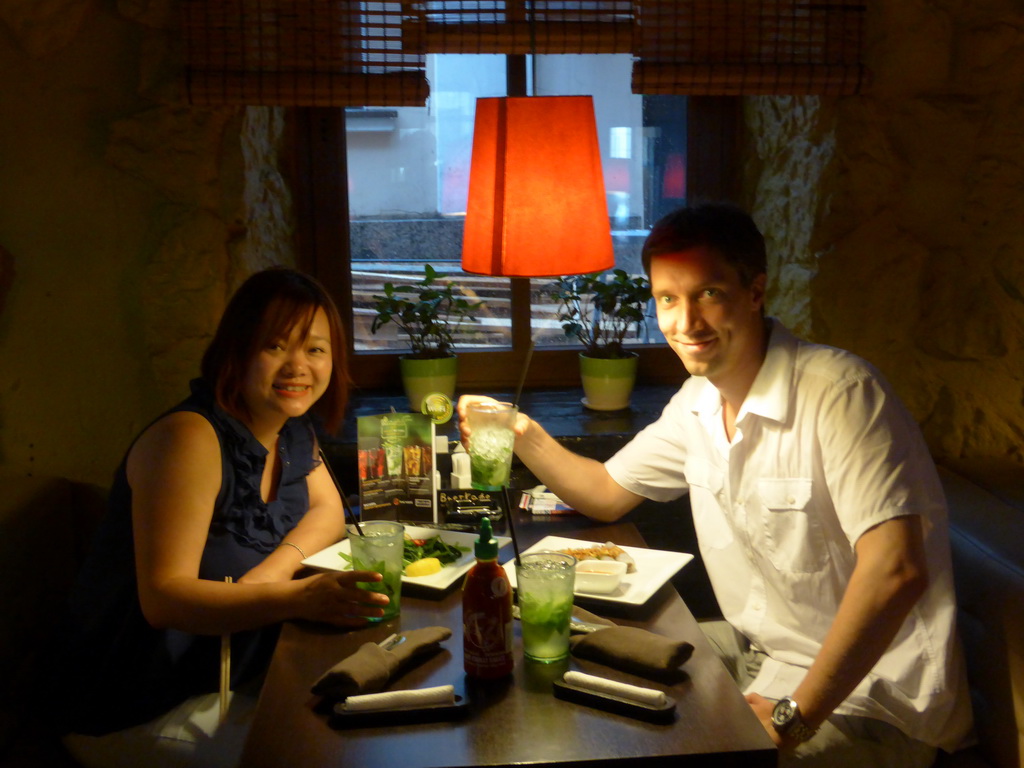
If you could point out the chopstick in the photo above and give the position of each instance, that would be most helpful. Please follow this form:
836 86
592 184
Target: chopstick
225 667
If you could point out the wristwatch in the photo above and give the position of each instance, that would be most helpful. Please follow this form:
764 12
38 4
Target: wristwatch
787 721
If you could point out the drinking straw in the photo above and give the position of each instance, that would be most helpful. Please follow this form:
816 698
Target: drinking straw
511 526
225 667
504 488
526 368
344 500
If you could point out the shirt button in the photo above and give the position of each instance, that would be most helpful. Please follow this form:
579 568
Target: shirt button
791 500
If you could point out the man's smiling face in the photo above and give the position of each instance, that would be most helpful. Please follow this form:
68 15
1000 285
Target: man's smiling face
712 321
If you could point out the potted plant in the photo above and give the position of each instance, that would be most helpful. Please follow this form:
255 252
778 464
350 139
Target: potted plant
429 312
601 310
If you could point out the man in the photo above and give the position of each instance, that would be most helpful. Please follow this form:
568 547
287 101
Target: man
818 511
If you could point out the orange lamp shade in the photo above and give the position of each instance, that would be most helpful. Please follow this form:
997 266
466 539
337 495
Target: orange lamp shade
537 203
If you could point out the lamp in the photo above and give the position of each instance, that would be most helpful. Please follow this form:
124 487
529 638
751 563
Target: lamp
537 202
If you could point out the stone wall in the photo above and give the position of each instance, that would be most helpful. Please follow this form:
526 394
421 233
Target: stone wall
126 219
894 218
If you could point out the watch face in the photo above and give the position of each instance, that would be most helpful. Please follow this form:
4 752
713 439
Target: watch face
783 712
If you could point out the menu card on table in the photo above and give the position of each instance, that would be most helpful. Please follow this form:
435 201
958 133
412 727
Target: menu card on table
396 467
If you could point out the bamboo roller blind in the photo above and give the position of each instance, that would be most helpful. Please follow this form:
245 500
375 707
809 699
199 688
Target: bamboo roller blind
334 53
299 53
742 47
521 26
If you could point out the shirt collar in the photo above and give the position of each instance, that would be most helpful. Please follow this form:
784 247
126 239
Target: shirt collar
769 394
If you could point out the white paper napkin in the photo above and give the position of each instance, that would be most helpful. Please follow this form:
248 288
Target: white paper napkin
420 697
646 696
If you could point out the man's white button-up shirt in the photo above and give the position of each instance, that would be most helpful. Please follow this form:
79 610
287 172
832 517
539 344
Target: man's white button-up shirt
822 451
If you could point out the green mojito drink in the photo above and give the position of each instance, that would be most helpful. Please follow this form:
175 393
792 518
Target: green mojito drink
491 440
379 549
544 582
490 458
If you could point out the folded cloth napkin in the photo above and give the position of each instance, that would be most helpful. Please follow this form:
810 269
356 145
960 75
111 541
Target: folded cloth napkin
647 696
370 668
419 697
632 649
581 614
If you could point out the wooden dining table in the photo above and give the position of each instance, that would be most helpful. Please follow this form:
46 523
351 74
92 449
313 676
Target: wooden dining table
517 721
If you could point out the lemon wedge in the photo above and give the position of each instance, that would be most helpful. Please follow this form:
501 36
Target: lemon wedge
424 567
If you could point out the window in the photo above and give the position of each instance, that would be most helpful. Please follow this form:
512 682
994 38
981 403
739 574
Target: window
405 175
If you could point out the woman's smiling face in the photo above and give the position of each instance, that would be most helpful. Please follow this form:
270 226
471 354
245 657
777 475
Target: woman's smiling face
711 320
290 373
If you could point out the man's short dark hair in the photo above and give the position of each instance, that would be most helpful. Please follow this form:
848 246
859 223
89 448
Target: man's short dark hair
723 227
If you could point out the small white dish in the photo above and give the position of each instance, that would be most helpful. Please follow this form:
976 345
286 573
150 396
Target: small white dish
601 577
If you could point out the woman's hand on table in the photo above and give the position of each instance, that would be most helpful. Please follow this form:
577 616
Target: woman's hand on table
334 598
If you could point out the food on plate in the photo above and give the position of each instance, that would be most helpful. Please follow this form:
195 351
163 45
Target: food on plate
434 546
428 566
606 551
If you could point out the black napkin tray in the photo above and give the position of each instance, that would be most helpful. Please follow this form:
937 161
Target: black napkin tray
619 705
340 718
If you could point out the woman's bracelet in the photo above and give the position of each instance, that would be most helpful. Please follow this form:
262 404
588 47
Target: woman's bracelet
297 547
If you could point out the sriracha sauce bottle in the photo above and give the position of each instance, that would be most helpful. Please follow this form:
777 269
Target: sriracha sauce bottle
487 612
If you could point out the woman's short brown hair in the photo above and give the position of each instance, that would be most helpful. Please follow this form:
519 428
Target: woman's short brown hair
268 304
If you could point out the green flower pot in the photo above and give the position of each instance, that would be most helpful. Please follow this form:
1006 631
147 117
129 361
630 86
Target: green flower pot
607 384
421 377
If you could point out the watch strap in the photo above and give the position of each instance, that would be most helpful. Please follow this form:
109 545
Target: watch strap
798 731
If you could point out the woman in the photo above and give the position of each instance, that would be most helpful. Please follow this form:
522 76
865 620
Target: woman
226 484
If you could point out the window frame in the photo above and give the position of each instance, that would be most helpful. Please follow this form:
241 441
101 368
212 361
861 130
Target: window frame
317 140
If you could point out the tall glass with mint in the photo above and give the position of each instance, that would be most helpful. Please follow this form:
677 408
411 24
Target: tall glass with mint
545 582
490 444
379 549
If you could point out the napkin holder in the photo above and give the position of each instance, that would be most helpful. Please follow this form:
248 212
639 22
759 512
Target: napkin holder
661 715
339 718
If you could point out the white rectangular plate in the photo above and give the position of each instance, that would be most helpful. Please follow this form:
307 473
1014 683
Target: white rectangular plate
654 567
329 559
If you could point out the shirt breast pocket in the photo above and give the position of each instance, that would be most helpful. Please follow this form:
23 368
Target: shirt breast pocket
707 489
794 540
